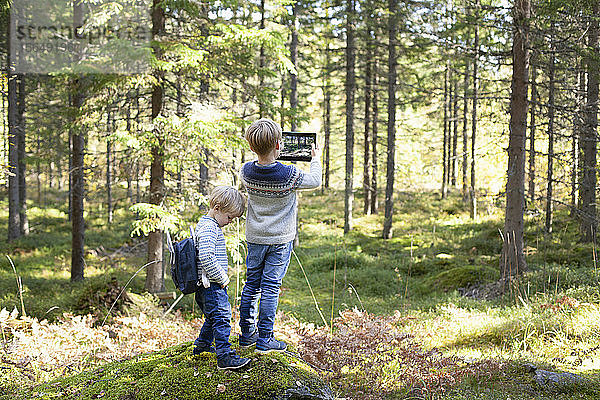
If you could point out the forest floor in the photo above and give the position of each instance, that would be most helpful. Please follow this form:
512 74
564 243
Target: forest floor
416 316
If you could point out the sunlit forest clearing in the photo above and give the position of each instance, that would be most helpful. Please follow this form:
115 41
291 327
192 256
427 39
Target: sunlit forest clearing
449 253
417 279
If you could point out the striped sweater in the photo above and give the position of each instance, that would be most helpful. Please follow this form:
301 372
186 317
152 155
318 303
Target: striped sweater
212 253
272 202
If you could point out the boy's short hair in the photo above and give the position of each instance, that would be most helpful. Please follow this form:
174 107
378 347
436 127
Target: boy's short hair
262 135
227 199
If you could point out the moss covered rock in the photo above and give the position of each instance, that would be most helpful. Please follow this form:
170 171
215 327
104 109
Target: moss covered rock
464 276
175 373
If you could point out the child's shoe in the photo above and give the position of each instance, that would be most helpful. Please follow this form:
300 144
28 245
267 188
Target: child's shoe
248 341
203 349
268 345
231 361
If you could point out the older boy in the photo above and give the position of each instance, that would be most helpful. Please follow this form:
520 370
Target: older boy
270 230
226 203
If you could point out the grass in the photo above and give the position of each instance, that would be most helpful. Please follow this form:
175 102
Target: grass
42 260
551 317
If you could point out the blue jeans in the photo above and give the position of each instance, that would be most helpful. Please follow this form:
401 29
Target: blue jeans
266 266
214 303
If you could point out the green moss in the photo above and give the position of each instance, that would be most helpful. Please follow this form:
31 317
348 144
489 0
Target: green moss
514 381
176 373
463 277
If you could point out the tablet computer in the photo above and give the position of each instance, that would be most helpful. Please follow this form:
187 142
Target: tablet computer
297 146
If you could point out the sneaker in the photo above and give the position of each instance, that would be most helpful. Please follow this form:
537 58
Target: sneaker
248 341
268 345
203 349
231 361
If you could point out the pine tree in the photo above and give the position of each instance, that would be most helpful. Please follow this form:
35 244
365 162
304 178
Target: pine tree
512 260
391 125
589 140
350 92
77 166
154 271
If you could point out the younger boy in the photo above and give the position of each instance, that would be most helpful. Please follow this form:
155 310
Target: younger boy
270 230
226 203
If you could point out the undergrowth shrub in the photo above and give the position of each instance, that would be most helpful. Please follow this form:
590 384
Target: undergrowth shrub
369 358
98 297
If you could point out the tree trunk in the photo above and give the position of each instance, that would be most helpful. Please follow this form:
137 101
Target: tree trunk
294 93
472 193
59 166
128 160
14 230
576 142
50 174
38 172
454 132
70 135
261 63
532 136
108 166
78 187
204 31
391 128
465 148
589 141
374 203
578 135
138 196
180 113
77 166
154 271
294 75
282 104
551 106
350 89
327 111
367 132
203 187
21 131
445 141
5 131
512 260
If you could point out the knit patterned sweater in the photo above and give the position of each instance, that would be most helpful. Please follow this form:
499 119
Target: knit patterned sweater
272 202
212 253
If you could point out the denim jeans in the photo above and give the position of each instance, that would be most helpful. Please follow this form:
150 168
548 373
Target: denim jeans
214 303
266 266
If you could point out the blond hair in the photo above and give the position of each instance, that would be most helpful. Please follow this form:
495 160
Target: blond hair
227 199
262 135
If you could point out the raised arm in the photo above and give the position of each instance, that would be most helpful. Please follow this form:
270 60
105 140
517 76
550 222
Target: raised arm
312 179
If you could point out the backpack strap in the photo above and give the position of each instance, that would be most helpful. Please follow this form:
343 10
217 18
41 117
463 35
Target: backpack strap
170 247
170 243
